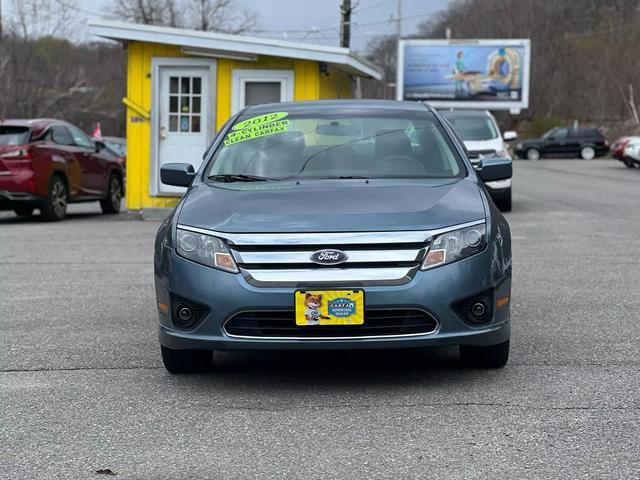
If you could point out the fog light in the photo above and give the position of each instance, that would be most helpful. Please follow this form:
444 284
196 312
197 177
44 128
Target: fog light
478 309
185 314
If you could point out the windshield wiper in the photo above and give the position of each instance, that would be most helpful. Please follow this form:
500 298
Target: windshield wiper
238 177
348 177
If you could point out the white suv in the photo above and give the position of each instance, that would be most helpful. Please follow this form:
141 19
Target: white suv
631 155
482 138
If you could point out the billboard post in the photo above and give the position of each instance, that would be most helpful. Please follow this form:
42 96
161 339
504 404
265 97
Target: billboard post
487 74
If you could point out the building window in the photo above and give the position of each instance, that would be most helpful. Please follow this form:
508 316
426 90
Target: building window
185 102
252 87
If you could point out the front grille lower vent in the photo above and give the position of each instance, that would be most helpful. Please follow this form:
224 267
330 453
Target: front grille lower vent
377 323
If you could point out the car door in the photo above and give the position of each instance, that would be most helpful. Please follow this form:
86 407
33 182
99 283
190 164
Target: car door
94 167
62 151
575 140
556 143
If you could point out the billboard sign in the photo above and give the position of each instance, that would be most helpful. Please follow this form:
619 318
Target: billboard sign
491 74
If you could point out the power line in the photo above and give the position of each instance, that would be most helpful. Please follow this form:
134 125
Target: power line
369 7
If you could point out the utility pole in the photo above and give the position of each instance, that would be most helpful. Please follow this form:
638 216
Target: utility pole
345 23
0 19
398 20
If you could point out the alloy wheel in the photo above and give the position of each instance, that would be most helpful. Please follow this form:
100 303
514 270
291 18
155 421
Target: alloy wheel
115 192
59 198
533 154
587 153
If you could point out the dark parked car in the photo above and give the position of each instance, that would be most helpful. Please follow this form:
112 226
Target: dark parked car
584 143
334 225
46 164
118 146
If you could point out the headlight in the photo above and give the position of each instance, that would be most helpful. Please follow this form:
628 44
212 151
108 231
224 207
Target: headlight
206 250
455 245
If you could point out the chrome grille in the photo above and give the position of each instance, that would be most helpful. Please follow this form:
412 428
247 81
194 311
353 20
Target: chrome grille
373 258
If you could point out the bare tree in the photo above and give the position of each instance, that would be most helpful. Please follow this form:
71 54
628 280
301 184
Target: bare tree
220 16
49 77
44 18
208 15
148 12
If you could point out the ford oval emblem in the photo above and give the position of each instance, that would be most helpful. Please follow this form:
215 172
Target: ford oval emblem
329 257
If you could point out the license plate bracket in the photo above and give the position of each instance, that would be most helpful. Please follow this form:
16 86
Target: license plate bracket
329 307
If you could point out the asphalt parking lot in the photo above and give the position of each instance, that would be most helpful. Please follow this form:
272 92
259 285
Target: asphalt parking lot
83 388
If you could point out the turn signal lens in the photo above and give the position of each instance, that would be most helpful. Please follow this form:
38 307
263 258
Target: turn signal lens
435 257
225 261
502 302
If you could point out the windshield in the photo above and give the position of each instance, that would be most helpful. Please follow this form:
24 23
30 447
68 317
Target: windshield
120 149
13 135
334 143
475 128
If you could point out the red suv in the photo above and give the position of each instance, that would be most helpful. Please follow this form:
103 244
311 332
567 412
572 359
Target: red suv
46 164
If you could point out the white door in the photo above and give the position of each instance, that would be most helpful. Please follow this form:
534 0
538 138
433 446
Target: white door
184 119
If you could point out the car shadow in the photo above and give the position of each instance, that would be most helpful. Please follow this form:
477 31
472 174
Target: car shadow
8 218
331 370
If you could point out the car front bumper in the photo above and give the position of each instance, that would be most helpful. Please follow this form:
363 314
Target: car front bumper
434 291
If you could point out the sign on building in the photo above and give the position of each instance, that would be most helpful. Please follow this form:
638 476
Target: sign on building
488 74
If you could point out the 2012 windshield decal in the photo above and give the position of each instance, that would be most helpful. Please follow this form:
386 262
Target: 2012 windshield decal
259 126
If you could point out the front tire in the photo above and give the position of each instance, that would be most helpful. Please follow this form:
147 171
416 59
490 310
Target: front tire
587 153
112 203
492 356
186 361
54 207
631 163
504 203
533 154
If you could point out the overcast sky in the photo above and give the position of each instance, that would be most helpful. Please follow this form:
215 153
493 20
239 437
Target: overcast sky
298 18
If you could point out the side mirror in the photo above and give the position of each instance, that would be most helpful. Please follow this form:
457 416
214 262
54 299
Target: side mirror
510 135
177 174
491 169
98 145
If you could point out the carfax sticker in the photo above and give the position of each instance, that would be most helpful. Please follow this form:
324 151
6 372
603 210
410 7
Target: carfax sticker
260 126
257 131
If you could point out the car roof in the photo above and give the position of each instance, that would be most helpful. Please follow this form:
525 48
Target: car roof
115 139
326 104
36 125
464 113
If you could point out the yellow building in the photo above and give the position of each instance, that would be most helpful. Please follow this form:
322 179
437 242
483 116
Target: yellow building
182 85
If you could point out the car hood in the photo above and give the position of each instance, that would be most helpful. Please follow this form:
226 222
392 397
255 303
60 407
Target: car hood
531 141
477 145
332 206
